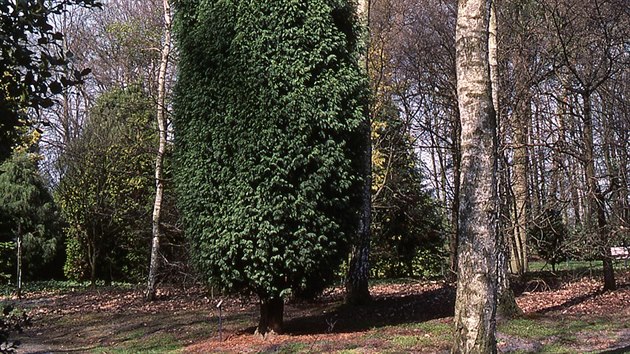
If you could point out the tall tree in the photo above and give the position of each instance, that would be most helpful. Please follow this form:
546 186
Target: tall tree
29 218
475 304
269 104
357 291
590 43
105 192
506 303
159 159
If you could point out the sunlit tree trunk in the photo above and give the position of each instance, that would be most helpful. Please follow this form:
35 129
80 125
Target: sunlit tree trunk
19 260
159 159
357 291
475 305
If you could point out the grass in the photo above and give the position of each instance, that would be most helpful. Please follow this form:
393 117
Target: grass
171 332
60 286
157 343
576 265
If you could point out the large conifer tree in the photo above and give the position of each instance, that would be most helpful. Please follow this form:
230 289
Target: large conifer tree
269 102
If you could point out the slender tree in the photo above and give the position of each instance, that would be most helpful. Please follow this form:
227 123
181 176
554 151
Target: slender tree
475 304
159 159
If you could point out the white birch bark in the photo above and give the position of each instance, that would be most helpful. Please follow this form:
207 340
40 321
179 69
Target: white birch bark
159 159
475 306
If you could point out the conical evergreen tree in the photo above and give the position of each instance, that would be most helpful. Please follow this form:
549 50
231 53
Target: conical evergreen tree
269 101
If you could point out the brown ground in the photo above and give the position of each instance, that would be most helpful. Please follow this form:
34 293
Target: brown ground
402 318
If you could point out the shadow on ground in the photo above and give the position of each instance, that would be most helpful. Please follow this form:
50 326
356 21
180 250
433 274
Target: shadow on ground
383 311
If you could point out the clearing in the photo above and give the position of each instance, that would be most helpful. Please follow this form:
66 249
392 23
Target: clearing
562 314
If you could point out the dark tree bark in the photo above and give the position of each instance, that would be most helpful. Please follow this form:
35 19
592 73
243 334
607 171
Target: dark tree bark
597 212
454 234
271 316
357 281
357 291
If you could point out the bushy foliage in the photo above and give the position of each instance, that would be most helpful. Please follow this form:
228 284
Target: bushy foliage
548 235
27 210
268 105
106 191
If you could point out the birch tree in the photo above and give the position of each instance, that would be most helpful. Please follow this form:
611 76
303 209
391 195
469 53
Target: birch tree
475 304
159 159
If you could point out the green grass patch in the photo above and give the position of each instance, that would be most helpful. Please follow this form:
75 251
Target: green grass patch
527 328
575 265
61 286
562 331
151 344
556 348
292 348
407 342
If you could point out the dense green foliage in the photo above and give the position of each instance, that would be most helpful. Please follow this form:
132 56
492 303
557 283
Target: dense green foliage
268 104
407 227
549 236
106 191
27 210
32 64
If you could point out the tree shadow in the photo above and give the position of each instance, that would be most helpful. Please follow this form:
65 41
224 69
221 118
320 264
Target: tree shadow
383 311
571 302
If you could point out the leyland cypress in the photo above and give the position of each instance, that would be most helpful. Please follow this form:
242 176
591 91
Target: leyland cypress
269 102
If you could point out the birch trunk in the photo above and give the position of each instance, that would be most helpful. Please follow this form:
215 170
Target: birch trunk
19 260
159 159
357 291
475 305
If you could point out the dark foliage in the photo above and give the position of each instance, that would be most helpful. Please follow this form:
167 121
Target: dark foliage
548 235
32 62
268 105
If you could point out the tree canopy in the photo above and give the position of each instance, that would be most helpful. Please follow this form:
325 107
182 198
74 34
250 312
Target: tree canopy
30 57
105 193
27 211
269 100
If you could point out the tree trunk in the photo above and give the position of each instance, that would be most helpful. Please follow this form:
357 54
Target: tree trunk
92 254
159 159
454 234
521 182
506 303
19 260
357 291
475 305
597 213
271 314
